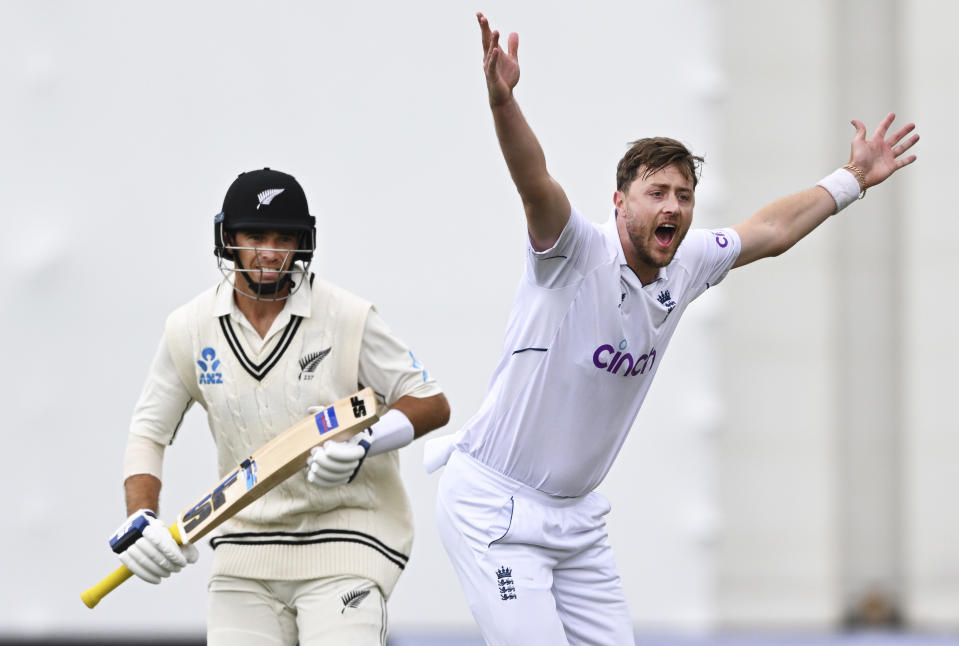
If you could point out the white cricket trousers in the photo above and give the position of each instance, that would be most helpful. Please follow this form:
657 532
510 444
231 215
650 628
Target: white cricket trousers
535 569
319 612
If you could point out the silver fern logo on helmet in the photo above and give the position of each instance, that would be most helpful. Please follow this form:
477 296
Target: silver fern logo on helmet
265 197
241 213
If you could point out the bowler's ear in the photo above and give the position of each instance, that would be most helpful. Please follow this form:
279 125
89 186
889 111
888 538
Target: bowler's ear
619 200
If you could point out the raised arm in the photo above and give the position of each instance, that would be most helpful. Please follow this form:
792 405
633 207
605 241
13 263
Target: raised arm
782 223
546 205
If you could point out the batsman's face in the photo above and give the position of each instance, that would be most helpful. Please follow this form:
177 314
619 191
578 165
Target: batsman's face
653 216
266 253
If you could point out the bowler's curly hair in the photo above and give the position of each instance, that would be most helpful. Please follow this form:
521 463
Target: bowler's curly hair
653 154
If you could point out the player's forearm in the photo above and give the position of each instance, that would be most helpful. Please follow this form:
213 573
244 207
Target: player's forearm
142 492
795 216
523 154
546 205
779 225
425 413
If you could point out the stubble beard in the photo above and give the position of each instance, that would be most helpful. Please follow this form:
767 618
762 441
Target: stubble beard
643 239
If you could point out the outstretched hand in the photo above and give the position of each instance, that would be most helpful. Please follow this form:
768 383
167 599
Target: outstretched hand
502 68
879 157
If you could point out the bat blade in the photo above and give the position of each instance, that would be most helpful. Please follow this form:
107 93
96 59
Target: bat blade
268 466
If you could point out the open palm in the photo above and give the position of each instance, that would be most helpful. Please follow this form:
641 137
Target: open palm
502 68
878 156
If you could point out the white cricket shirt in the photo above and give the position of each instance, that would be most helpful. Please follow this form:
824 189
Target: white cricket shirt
584 340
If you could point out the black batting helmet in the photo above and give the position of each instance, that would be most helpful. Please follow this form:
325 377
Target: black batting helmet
265 200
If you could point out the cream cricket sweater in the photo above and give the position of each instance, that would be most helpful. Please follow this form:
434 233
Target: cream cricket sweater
310 357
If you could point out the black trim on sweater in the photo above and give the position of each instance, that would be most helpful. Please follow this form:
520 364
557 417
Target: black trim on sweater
259 371
312 538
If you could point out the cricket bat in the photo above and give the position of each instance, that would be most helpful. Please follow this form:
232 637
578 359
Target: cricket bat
269 465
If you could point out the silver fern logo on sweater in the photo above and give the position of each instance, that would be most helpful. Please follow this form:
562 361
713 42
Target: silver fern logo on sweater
309 362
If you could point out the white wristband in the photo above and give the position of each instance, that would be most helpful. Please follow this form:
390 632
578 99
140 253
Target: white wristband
393 431
843 186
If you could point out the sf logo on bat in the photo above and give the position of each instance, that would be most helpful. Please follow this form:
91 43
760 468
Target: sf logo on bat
359 406
214 500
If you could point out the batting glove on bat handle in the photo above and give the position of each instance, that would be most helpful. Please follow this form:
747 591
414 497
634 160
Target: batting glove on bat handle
332 464
144 544
92 596
336 463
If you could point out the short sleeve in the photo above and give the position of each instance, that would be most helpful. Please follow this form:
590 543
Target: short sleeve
567 260
163 401
708 255
389 367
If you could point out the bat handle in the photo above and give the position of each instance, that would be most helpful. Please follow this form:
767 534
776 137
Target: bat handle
92 596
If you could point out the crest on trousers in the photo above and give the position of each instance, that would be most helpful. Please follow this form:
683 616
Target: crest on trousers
504 581
353 599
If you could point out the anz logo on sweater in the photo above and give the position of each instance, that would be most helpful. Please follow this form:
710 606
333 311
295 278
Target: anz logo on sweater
208 365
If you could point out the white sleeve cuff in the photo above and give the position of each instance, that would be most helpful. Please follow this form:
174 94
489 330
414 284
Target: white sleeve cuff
393 431
843 186
142 455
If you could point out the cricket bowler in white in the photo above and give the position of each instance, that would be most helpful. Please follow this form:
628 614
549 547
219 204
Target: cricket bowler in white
313 561
593 315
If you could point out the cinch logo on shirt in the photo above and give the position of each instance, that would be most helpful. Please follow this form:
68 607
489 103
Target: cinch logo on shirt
721 238
607 357
208 364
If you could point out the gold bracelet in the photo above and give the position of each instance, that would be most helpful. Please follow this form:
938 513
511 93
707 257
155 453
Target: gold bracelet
860 177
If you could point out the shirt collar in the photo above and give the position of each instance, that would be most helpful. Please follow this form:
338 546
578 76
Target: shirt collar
615 247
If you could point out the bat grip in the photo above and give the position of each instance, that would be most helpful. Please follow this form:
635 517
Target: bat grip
92 596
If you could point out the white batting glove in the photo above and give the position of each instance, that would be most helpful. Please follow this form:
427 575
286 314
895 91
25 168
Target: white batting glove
144 544
332 464
335 463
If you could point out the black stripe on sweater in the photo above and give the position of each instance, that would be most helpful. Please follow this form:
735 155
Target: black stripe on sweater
259 371
312 538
